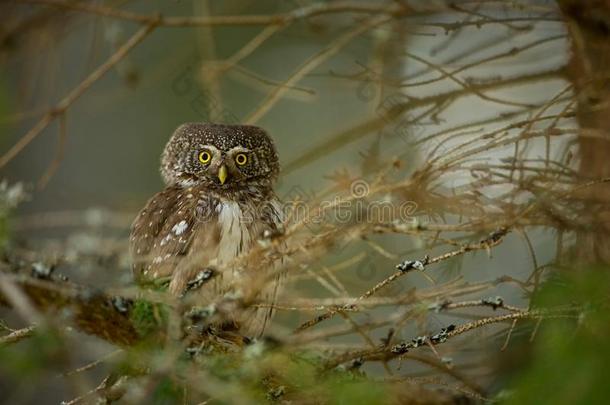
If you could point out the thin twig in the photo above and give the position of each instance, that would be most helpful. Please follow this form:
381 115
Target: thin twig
16 336
272 19
78 91
493 240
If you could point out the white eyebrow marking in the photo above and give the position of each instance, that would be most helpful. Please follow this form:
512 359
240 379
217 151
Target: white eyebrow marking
211 148
238 149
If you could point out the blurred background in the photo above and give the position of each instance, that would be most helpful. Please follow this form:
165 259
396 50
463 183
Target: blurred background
477 113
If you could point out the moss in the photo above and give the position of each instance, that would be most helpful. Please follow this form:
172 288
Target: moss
167 391
148 319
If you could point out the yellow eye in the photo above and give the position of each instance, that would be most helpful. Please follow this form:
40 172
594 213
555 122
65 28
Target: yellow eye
241 159
205 157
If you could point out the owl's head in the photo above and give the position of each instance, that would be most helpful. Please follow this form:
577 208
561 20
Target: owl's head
219 156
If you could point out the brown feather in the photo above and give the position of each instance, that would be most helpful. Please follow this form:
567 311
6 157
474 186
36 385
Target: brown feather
198 222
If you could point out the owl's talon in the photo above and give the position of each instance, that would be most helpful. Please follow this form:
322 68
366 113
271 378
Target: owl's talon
200 279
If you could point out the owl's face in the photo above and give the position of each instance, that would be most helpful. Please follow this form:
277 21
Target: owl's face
219 156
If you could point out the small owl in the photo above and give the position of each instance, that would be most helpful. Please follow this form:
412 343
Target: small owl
217 202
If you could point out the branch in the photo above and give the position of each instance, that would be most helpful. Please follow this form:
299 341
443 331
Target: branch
16 336
70 98
370 126
403 268
92 312
271 19
384 353
311 64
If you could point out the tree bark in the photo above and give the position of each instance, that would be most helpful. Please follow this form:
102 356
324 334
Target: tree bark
589 70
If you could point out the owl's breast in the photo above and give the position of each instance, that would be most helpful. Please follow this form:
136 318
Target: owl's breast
240 225
238 230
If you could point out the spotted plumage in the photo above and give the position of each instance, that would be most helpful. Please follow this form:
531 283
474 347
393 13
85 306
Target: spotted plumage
218 201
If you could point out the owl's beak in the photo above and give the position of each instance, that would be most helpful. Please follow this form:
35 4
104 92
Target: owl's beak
222 174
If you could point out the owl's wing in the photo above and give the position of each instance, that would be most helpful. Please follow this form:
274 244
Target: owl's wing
163 233
177 234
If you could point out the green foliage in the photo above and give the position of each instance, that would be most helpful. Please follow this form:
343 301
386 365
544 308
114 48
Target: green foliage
148 318
9 196
34 355
167 391
277 375
257 374
359 391
570 357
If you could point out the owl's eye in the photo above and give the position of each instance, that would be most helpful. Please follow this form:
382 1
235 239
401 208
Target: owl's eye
205 157
241 159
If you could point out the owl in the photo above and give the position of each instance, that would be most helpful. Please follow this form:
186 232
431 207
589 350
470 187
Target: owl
217 203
